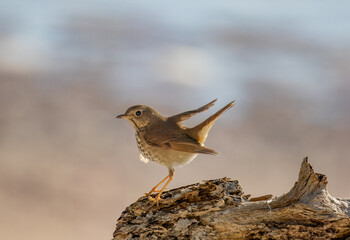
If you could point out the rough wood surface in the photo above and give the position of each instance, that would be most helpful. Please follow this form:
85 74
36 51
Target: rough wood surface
218 209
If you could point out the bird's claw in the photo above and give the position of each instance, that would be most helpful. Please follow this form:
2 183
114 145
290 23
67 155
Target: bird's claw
155 200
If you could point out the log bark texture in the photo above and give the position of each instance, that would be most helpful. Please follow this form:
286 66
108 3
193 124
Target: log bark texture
218 209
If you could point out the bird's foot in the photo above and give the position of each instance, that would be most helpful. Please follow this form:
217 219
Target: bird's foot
155 200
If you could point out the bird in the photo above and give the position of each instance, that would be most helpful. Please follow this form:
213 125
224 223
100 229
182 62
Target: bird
166 141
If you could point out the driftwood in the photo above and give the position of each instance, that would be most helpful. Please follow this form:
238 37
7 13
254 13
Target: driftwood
218 209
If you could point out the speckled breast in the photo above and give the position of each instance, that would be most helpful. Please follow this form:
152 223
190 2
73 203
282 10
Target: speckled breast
146 150
166 157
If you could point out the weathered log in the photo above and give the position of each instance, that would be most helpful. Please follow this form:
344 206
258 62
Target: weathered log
218 209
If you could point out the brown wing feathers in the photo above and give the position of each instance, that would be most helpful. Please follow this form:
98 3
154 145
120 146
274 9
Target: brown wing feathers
188 114
190 147
181 143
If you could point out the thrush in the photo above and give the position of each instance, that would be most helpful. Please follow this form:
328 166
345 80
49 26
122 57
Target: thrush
166 141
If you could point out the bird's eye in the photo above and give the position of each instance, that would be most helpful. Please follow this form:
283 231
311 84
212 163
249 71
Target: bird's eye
138 113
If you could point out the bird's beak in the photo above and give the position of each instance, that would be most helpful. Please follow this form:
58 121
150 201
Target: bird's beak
122 116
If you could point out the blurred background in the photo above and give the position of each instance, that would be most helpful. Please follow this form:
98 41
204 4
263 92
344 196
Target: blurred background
68 168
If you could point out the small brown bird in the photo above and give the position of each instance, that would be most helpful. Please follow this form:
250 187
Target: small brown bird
165 141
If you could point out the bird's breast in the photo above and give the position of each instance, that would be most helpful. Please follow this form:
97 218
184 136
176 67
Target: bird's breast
166 157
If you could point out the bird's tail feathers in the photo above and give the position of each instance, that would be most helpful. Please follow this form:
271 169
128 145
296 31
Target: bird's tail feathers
200 132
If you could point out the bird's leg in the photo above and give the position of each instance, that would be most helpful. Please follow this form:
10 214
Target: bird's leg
171 176
155 188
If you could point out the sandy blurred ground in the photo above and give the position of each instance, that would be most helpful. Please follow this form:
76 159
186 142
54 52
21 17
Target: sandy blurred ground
68 168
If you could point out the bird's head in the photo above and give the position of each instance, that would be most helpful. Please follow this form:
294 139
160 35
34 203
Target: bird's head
139 116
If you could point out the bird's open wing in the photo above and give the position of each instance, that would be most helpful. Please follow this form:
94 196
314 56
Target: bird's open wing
181 143
188 114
